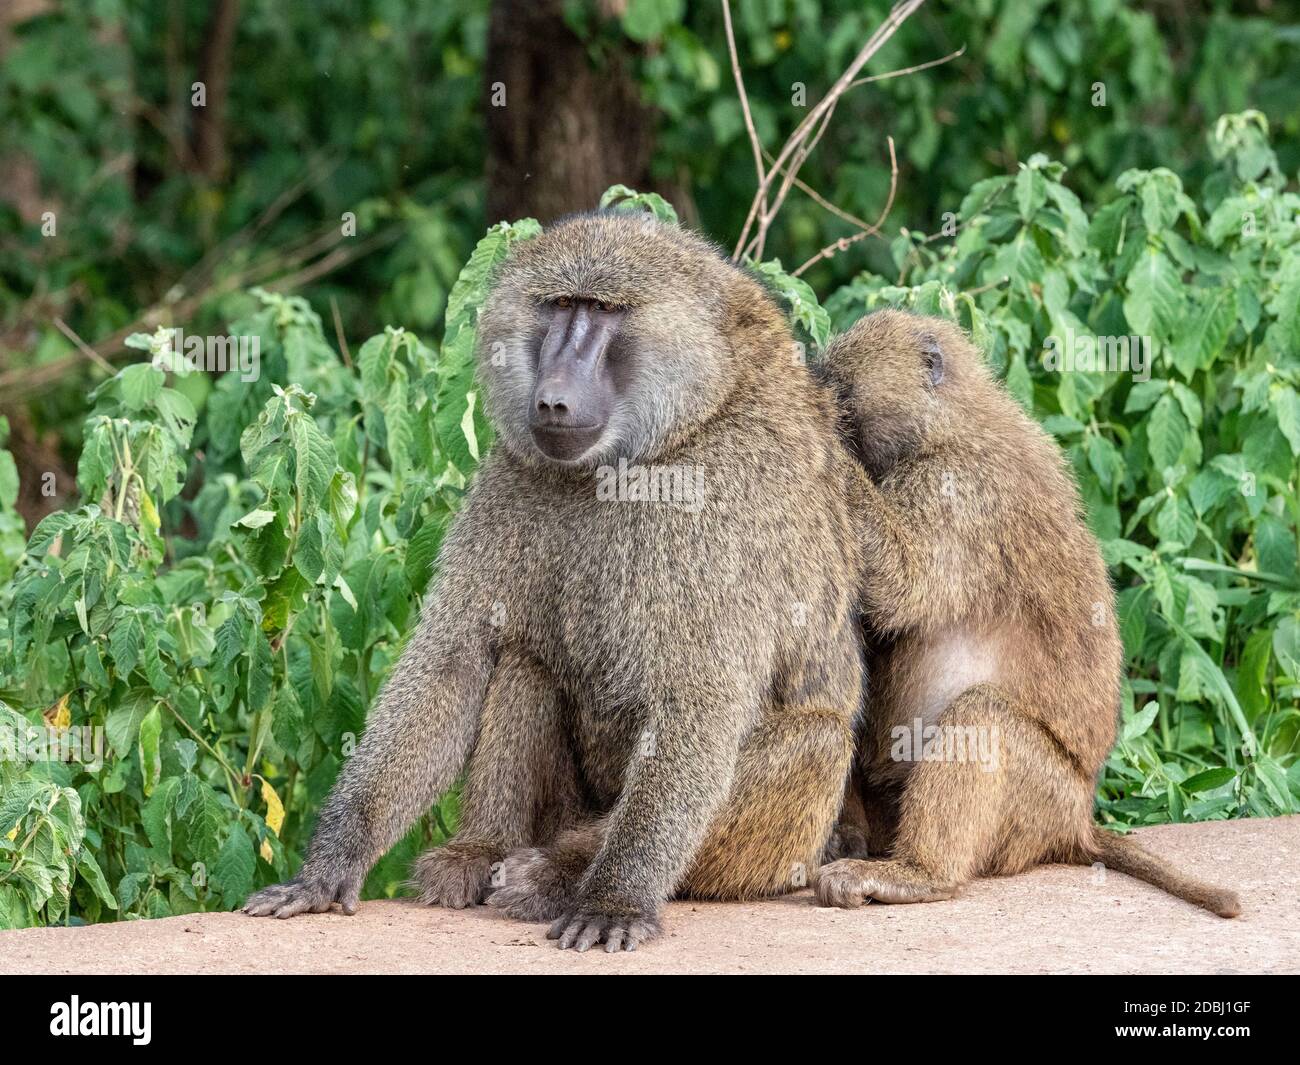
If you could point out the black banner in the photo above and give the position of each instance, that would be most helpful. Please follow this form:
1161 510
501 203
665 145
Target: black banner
141 1014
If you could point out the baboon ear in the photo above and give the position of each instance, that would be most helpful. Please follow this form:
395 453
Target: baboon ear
933 358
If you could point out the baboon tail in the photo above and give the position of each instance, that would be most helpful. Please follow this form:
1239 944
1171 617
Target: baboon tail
1123 854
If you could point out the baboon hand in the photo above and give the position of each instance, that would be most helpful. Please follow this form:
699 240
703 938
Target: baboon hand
306 893
618 927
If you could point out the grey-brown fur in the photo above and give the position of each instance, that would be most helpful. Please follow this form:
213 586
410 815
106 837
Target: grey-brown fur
687 676
990 609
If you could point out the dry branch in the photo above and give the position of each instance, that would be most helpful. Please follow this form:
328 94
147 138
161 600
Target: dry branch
843 243
275 272
762 210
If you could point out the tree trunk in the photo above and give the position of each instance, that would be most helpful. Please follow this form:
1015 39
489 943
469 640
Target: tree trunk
560 130
210 150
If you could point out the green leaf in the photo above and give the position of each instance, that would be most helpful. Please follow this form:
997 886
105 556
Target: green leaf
1154 301
232 872
645 20
1141 720
1203 338
1208 780
122 726
255 519
140 385
156 816
94 876
314 461
1020 260
1031 191
1286 406
261 668
798 296
8 481
1167 432
621 198
1286 645
150 755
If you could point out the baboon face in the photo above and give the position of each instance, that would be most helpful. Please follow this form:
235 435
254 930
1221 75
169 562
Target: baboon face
892 373
600 341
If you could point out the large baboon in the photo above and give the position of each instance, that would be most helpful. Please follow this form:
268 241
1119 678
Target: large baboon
996 669
643 614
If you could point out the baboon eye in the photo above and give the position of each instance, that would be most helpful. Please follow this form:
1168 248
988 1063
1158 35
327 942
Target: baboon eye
564 301
606 308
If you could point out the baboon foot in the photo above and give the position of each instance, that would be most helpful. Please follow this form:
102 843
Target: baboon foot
457 874
585 926
538 884
846 841
849 883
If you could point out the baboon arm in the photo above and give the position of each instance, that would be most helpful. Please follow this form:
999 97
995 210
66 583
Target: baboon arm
421 728
916 568
678 778
417 739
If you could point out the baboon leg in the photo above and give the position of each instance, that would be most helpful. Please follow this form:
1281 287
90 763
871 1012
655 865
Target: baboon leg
521 787
992 793
788 789
765 841
868 820
849 837
768 837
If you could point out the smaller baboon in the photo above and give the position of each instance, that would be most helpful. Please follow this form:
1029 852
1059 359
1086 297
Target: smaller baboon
997 659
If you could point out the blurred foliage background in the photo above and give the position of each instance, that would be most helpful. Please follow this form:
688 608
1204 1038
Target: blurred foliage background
164 211
235 567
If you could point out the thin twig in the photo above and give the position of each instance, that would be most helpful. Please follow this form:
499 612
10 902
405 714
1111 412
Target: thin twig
86 349
331 262
338 332
910 70
16 384
822 201
313 173
843 243
754 142
989 287
791 173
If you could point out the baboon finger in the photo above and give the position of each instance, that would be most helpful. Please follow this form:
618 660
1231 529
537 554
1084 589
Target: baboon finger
589 937
298 904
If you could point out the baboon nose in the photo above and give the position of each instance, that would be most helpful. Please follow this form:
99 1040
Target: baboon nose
552 403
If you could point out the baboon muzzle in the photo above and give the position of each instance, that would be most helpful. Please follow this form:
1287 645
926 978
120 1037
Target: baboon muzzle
574 394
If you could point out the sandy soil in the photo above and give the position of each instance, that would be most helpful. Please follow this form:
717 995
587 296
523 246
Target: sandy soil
1056 919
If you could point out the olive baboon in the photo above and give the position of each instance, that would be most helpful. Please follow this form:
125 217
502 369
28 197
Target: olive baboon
995 685
643 613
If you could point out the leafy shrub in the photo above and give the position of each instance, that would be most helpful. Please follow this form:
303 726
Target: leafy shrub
222 607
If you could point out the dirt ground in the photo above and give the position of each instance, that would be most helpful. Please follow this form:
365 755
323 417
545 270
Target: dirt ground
1057 919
